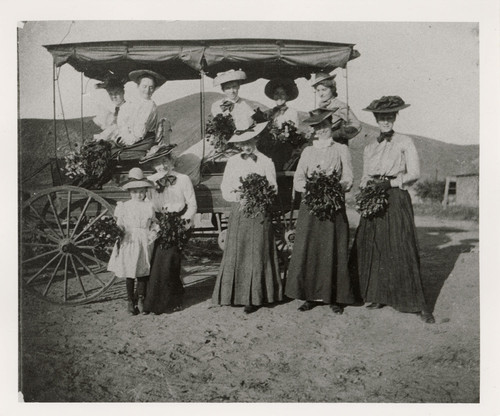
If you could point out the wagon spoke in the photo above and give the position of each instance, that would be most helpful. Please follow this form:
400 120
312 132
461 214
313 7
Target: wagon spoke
40 244
94 259
78 276
52 277
42 269
90 271
66 278
51 203
44 222
67 216
91 223
49 237
81 216
90 237
40 256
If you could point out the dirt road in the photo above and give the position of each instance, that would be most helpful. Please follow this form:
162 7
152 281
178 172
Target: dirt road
96 352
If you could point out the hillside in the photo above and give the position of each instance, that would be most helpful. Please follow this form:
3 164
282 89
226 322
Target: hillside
36 142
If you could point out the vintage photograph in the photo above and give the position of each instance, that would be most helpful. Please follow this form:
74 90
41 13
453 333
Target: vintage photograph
249 211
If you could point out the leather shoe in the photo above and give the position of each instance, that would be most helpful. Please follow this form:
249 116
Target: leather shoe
250 309
427 317
308 305
131 309
375 306
336 308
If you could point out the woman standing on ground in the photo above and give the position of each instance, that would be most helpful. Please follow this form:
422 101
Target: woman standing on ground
385 254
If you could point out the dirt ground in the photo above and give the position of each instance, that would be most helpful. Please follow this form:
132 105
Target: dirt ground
97 353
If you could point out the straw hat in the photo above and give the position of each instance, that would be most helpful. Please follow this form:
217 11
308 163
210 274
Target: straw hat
156 152
387 104
322 76
292 92
137 75
320 114
231 75
136 179
251 131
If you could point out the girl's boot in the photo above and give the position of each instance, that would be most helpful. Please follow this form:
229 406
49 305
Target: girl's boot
131 308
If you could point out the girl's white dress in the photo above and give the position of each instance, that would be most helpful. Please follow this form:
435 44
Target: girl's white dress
133 258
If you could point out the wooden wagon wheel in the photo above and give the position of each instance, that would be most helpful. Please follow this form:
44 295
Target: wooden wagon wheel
58 259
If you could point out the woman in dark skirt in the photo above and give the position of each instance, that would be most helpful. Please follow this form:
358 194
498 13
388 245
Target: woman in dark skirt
249 273
318 271
173 193
385 256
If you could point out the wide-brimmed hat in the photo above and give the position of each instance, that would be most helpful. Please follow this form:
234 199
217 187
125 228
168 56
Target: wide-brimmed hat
111 82
231 75
137 75
156 152
252 130
320 114
136 179
387 104
292 92
322 76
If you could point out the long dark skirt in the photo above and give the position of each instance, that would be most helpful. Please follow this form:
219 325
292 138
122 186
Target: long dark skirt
164 290
249 273
385 256
319 264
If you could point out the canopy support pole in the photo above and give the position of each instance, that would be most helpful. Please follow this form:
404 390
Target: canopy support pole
81 103
54 107
202 114
347 92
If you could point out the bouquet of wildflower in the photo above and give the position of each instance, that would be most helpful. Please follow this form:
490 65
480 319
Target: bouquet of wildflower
219 130
172 230
286 133
324 194
106 233
372 200
88 163
257 195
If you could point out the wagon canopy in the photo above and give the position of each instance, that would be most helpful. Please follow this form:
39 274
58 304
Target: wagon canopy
184 59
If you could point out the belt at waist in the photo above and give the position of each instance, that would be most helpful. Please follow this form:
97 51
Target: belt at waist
382 177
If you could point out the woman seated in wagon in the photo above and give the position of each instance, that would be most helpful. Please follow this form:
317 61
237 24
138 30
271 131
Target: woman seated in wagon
231 105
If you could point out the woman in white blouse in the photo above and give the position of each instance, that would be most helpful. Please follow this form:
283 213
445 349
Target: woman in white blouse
385 255
318 271
249 273
173 193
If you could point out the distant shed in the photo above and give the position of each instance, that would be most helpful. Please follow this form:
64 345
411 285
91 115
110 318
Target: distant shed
462 190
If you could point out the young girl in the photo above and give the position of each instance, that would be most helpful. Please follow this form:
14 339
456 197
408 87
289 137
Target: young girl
249 273
173 193
318 272
131 258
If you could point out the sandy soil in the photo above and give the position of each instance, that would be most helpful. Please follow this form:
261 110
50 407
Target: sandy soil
96 352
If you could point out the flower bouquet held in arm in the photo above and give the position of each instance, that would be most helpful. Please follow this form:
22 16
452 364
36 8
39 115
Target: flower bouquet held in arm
87 165
372 200
286 133
256 195
324 194
172 230
106 233
219 130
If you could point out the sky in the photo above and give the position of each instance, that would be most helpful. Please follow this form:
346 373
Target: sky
434 66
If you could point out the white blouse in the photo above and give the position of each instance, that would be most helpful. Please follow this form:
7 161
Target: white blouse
289 115
242 112
237 168
395 157
135 120
332 157
174 197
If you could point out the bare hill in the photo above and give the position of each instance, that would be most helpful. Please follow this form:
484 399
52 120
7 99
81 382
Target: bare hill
36 141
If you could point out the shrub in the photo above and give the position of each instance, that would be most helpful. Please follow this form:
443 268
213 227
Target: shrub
430 190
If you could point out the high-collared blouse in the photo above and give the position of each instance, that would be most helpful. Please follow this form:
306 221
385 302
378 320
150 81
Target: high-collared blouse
237 168
176 197
330 157
242 112
289 115
137 119
345 114
396 157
